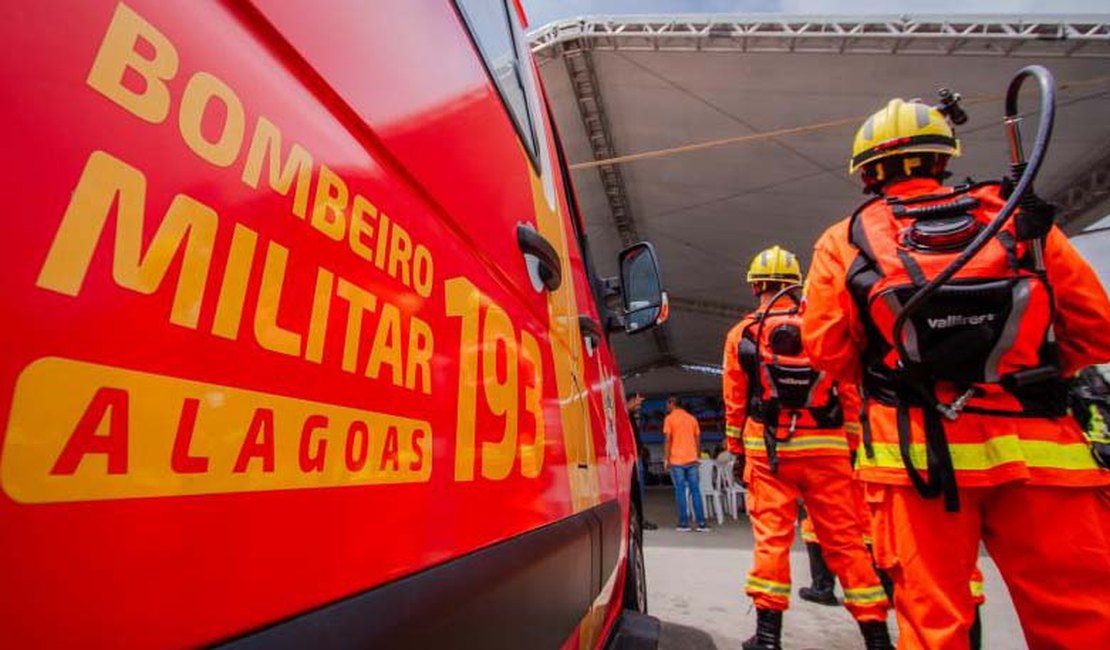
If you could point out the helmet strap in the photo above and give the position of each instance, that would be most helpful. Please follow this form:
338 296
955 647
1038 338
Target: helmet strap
763 287
876 176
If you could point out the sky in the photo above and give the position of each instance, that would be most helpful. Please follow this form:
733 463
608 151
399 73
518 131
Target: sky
541 12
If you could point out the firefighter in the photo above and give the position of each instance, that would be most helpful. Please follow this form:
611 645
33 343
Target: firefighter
821 589
1089 401
970 408
784 423
822 586
978 597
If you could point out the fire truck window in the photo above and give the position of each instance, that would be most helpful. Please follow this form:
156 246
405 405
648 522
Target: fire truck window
490 26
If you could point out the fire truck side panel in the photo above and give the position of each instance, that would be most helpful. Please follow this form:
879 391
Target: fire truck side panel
272 354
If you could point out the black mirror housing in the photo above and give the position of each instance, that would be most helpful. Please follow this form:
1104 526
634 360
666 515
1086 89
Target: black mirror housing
641 286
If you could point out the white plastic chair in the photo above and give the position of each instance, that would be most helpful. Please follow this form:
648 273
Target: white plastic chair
733 491
710 493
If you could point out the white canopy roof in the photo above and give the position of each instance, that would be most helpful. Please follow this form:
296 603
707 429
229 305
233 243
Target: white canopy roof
627 85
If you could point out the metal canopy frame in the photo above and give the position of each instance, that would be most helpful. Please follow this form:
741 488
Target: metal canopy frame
1049 36
1043 36
591 107
574 39
1086 199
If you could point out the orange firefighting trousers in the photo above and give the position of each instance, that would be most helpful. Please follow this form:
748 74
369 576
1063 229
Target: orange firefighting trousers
809 535
978 596
825 484
1052 545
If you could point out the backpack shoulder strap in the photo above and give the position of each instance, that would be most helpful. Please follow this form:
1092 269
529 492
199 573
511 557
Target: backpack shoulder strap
748 351
857 234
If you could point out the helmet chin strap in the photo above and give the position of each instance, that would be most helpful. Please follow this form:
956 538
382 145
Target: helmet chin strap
764 288
878 175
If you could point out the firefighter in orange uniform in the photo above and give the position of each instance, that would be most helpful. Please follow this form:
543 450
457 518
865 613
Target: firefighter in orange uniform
785 419
966 403
978 597
821 589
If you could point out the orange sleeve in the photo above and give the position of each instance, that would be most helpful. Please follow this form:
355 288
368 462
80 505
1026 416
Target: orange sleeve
1082 308
851 403
831 327
734 388
668 423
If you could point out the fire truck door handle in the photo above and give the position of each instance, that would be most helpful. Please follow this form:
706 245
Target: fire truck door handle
536 245
591 329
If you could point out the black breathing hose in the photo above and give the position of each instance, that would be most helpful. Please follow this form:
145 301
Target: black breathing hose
1029 171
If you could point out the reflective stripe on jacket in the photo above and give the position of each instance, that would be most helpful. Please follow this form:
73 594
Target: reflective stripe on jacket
744 434
986 449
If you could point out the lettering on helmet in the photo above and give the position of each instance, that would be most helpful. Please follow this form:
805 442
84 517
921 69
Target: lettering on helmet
958 320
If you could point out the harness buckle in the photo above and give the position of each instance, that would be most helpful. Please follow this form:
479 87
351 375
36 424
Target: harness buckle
952 411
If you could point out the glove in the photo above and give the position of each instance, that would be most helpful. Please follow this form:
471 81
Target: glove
1092 411
738 469
1101 452
1035 218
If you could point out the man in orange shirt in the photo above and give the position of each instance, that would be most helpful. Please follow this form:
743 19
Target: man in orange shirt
682 440
965 407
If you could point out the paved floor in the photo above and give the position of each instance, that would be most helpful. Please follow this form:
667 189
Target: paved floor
695 586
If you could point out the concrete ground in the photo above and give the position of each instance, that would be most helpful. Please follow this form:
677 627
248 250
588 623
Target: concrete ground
696 588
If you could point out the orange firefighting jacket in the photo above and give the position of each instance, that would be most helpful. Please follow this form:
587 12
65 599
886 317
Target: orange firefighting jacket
744 429
852 404
986 448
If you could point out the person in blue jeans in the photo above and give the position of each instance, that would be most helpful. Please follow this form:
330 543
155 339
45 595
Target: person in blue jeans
681 442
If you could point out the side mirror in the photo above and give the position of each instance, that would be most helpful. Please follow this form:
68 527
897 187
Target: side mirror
641 288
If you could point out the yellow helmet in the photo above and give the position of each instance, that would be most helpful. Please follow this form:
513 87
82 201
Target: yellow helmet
775 264
902 127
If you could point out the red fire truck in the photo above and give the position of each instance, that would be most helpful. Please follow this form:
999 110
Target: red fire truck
302 344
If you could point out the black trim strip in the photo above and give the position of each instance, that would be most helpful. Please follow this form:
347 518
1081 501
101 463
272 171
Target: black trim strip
911 141
528 592
597 286
526 133
611 526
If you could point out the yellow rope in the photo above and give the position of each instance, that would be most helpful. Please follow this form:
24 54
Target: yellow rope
767 135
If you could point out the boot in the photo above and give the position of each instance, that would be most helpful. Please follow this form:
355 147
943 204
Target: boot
821 591
977 630
768 631
875 635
